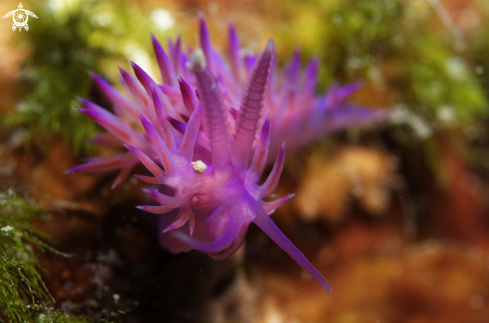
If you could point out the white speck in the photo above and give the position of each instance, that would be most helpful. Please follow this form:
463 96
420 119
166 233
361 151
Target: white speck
199 166
116 298
7 228
162 19
479 69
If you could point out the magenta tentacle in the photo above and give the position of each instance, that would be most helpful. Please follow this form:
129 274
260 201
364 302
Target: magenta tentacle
188 96
205 42
266 224
110 122
176 53
135 89
164 128
270 207
261 153
158 209
250 108
234 55
191 134
214 119
147 162
272 180
148 179
166 67
150 86
115 96
159 146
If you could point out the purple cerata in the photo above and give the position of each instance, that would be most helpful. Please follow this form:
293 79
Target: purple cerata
196 134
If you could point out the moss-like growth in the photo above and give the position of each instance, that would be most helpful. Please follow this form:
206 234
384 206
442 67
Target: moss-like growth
67 41
401 49
23 295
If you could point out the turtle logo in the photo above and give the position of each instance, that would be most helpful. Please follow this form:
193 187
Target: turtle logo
20 17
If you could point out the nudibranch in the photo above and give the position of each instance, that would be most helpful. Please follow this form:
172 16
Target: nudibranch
196 134
215 204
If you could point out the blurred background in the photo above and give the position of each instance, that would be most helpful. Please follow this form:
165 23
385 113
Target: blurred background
394 214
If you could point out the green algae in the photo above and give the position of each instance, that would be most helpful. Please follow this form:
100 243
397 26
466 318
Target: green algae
70 40
23 295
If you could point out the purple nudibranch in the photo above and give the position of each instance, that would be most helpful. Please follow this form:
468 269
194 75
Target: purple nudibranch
199 139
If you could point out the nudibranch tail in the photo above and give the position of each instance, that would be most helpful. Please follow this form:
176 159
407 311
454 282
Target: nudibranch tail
264 222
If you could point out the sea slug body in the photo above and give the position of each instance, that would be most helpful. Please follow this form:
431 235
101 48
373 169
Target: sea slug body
199 140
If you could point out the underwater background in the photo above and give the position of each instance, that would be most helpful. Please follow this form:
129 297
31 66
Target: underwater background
393 213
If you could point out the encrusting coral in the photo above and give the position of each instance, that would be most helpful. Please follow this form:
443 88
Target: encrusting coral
204 144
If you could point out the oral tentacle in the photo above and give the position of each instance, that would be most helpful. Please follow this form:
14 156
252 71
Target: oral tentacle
181 219
166 200
264 222
148 179
155 209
